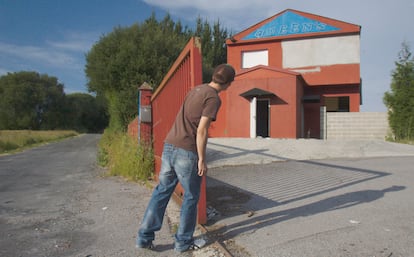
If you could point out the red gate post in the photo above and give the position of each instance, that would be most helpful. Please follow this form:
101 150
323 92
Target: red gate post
145 114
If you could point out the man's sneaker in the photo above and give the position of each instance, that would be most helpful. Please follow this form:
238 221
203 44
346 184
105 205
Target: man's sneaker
197 244
149 246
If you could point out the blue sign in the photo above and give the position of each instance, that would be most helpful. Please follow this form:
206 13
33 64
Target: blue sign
289 23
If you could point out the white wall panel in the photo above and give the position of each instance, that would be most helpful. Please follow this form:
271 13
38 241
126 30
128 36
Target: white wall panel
321 51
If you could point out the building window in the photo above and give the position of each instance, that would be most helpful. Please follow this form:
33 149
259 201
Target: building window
253 58
337 104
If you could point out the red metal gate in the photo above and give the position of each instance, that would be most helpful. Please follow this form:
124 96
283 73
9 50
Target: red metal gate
185 74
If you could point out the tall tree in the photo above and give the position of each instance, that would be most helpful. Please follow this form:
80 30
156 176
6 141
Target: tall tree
213 45
400 100
127 57
85 113
30 101
143 52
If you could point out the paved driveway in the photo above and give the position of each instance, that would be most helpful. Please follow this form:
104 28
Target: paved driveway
346 206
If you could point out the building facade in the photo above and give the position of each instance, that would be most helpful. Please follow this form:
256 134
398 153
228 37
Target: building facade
287 67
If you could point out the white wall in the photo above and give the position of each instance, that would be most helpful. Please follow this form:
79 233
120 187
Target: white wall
357 125
321 51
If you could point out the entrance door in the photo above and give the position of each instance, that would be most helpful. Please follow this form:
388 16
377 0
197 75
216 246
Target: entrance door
262 118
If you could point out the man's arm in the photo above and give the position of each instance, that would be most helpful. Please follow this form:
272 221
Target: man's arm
201 140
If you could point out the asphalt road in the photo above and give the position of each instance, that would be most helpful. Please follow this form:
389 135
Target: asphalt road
55 201
41 194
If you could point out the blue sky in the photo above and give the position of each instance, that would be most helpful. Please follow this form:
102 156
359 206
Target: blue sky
52 36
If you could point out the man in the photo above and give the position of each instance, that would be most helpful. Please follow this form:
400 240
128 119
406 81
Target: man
183 160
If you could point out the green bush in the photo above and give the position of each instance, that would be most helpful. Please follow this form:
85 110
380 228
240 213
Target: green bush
400 99
31 141
125 157
7 146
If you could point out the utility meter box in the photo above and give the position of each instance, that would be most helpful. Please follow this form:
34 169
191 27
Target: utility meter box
145 113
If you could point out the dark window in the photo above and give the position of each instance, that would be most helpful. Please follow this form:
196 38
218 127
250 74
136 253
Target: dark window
337 104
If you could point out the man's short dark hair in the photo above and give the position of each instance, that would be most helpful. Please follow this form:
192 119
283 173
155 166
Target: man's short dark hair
223 74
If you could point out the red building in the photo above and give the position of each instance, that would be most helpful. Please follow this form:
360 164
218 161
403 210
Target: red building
289 66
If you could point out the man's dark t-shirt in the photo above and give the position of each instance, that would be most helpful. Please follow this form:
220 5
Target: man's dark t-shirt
201 101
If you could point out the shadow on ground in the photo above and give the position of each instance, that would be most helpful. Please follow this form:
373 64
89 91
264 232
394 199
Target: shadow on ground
246 190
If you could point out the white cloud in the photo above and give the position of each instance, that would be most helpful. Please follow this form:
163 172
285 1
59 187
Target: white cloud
44 55
63 58
75 46
67 53
208 5
75 42
233 14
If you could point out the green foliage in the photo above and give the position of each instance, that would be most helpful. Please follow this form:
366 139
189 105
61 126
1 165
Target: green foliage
30 101
400 100
7 146
11 140
85 113
213 46
124 157
127 57
38 102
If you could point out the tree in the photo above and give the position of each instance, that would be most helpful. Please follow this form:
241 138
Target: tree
213 46
400 100
33 101
30 101
85 113
127 57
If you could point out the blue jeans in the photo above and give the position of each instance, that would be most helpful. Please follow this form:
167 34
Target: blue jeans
178 165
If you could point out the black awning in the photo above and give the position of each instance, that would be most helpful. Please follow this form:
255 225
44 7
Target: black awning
254 92
311 99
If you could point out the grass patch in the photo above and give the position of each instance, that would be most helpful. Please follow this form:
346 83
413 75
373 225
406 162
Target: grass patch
405 141
125 157
17 140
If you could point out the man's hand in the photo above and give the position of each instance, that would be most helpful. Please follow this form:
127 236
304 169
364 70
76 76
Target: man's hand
202 168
